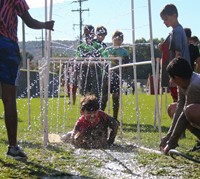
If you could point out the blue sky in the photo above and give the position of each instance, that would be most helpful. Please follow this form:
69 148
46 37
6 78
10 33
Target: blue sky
114 15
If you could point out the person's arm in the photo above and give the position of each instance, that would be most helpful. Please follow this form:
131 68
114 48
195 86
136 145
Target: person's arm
198 65
35 24
114 128
178 54
179 109
78 138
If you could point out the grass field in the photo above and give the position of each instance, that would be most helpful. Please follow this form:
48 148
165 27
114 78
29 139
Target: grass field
52 160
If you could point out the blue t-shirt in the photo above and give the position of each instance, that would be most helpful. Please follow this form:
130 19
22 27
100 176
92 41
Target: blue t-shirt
178 42
117 52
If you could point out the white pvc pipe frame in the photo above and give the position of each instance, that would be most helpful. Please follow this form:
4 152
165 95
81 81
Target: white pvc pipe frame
46 81
102 60
153 70
47 56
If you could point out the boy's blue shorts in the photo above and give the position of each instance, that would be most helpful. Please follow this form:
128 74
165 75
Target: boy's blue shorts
9 61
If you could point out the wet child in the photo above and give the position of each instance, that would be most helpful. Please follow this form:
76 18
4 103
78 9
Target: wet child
94 128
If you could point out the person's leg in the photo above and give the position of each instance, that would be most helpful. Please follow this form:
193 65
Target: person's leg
9 73
192 113
171 109
74 93
115 98
10 111
83 79
104 97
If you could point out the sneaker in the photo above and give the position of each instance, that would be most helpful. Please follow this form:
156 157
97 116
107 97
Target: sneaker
16 152
196 147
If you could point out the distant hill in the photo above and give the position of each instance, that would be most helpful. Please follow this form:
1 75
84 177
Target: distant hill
59 48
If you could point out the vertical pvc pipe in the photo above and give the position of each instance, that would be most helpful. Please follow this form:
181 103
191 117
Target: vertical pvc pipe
41 80
135 76
153 69
71 85
47 73
156 79
120 96
28 93
109 73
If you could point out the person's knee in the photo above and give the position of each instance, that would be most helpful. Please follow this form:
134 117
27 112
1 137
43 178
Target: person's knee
115 96
192 112
171 109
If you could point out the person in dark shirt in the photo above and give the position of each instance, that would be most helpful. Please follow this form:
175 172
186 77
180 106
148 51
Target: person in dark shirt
194 51
10 63
101 33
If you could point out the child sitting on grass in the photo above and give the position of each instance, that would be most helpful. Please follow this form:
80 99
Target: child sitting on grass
92 128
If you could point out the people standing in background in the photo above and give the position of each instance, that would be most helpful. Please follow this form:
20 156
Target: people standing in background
72 80
194 59
9 64
101 33
193 49
175 46
116 50
177 41
194 40
90 71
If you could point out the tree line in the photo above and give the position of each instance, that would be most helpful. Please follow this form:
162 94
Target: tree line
68 49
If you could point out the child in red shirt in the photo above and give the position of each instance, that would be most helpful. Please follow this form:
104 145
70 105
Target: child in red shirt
91 129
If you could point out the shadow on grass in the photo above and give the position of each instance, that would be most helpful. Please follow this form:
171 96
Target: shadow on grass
36 145
143 128
37 170
50 147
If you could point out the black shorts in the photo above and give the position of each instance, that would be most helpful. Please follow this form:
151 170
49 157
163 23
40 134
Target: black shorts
114 83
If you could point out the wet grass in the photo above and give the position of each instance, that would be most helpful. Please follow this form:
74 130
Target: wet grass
58 160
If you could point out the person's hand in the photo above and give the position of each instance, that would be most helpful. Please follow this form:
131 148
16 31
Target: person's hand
77 135
49 25
166 150
163 143
161 149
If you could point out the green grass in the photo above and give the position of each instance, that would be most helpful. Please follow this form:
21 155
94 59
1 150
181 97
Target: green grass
54 160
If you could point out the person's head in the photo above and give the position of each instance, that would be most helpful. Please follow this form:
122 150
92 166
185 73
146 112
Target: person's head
88 33
194 40
89 107
179 71
117 38
169 15
101 33
188 32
